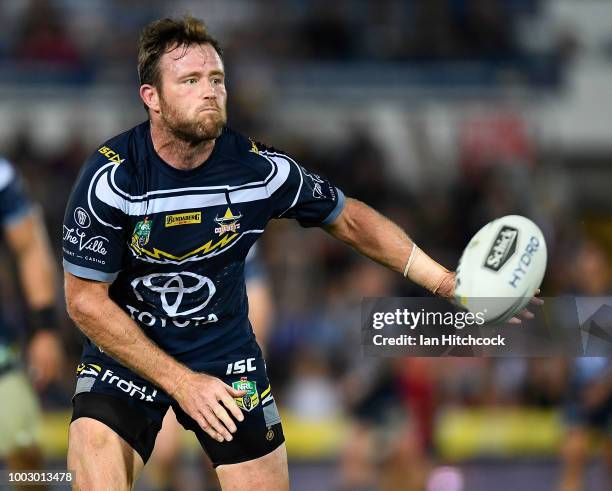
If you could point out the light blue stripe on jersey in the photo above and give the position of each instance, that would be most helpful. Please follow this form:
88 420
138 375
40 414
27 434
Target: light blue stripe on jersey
337 209
88 273
107 191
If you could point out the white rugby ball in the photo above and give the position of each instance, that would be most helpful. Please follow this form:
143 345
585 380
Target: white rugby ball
501 268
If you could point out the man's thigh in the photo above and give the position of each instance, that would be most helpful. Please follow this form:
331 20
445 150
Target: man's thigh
115 420
100 458
261 431
269 472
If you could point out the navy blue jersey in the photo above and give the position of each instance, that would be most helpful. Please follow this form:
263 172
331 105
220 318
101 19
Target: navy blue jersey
173 242
14 206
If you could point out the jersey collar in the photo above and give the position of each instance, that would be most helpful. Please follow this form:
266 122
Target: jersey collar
179 173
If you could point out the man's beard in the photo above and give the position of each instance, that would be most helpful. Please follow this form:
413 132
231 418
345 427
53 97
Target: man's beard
193 131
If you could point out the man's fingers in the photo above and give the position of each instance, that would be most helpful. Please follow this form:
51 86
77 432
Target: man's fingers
231 405
216 424
224 417
526 314
235 393
215 419
536 301
205 425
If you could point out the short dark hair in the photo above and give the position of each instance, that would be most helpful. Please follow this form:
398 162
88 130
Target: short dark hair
164 34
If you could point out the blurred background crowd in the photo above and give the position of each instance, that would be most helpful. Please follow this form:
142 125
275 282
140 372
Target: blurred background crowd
441 114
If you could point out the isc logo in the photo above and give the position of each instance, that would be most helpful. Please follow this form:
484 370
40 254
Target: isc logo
241 366
111 155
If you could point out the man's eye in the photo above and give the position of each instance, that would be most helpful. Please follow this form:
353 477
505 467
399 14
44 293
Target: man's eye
217 81
191 81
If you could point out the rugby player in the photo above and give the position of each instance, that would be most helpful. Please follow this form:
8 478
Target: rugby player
27 240
164 462
157 228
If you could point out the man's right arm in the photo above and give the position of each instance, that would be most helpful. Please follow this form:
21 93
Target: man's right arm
110 328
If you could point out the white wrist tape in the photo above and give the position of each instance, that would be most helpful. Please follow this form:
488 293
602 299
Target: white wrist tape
410 259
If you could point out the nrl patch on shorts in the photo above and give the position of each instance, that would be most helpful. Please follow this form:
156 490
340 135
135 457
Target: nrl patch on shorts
251 399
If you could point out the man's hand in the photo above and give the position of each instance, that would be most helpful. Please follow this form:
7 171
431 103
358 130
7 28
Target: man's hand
447 286
447 290
45 358
203 398
527 314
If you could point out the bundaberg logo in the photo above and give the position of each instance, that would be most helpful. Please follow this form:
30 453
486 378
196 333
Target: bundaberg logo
183 219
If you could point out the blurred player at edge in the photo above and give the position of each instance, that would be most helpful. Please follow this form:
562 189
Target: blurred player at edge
26 237
163 465
175 204
588 404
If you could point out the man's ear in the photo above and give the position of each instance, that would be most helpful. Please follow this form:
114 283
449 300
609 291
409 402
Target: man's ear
150 96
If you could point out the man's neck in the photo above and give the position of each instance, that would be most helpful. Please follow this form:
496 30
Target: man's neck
178 153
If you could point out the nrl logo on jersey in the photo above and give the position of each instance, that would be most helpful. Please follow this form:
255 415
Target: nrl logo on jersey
227 223
142 233
250 400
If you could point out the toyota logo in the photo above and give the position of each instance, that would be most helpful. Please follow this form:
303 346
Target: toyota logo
176 289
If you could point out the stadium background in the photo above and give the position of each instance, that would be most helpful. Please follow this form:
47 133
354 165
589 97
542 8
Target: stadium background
442 114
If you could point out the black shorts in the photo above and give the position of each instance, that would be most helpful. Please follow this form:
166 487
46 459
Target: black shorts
597 418
134 409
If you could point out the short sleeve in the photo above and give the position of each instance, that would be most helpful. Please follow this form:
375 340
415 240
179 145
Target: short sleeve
14 202
94 230
303 195
254 268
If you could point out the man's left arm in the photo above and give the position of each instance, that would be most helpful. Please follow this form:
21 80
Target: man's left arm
378 238
27 239
314 201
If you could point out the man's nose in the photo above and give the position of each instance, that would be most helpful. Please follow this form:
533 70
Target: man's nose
209 90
